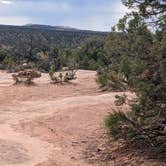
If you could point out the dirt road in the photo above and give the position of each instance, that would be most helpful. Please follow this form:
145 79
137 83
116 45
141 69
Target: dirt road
50 125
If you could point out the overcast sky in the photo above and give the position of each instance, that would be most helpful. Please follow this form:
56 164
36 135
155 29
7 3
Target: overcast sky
83 14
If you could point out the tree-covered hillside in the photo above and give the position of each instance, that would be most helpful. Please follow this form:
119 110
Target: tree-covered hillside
42 46
43 35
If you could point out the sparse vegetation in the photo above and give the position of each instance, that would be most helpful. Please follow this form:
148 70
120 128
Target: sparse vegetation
62 76
26 77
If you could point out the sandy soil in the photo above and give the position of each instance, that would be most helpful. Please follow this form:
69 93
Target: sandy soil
52 125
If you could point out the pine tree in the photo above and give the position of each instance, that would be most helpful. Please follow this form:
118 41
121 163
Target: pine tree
141 58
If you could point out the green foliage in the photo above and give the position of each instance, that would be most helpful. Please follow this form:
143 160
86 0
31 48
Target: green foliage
91 54
9 62
44 46
120 100
148 9
140 58
112 80
103 80
52 71
3 54
114 123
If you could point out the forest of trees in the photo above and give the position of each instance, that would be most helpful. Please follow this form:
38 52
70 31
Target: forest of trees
41 46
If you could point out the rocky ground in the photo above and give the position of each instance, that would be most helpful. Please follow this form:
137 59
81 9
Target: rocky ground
59 125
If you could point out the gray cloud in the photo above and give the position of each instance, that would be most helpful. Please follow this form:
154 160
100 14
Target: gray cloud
95 14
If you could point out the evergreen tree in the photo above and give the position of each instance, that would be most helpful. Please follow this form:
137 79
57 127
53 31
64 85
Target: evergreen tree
140 57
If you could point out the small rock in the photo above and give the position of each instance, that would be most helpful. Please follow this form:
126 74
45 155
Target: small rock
99 150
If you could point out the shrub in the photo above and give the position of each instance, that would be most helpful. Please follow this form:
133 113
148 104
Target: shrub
53 77
112 81
114 123
60 77
26 76
10 63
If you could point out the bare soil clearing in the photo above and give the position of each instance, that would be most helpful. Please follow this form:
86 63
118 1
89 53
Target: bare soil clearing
53 125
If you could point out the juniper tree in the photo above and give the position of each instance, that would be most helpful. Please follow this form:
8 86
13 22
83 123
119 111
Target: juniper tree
145 54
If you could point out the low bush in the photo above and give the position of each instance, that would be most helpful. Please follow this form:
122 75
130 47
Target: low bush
114 123
112 81
64 76
26 76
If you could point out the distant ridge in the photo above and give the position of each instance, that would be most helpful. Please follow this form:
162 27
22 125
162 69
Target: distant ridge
13 36
40 26
49 27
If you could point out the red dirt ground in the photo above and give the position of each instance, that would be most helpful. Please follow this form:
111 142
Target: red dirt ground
55 125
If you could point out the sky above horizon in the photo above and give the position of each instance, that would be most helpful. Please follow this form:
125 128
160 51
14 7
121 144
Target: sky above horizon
98 15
